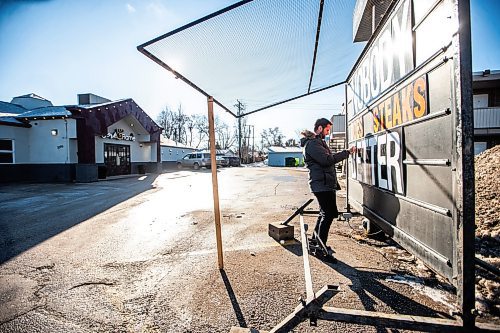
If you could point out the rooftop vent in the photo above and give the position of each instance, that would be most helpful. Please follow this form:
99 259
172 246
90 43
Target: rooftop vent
31 101
86 99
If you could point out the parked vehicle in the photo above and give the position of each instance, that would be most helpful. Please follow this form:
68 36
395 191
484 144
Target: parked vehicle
221 161
232 160
198 160
194 160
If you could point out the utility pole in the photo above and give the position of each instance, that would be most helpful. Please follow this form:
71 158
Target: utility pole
247 140
253 144
240 107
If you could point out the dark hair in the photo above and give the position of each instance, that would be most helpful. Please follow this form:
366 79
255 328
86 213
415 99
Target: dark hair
321 122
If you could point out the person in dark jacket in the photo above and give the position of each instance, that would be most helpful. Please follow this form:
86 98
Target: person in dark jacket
322 176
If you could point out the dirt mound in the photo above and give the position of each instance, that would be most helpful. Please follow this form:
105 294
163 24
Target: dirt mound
487 169
487 177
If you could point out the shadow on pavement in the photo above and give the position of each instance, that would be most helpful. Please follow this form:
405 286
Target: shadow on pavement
294 246
33 213
367 285
234 302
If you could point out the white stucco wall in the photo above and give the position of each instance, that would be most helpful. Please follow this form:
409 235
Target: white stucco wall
73 151
38 145
20 136
172 154
47 148
139 151
154 152
141 154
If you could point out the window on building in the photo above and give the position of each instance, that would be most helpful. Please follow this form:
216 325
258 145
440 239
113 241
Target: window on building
6 151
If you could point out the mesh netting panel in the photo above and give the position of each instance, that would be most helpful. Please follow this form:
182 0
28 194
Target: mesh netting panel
336 51
261 52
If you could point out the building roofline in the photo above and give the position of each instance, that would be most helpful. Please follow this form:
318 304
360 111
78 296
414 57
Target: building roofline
20 123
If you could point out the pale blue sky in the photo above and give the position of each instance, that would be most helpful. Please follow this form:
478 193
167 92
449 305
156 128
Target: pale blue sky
60 48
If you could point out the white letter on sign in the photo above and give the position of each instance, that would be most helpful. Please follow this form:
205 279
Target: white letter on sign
382 160
393 161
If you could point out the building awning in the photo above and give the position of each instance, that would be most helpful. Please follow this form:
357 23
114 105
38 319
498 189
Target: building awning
262 52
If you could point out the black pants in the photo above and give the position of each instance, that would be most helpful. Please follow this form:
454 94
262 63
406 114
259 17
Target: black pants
327 212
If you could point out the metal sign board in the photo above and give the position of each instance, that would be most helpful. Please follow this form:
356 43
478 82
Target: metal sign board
409 113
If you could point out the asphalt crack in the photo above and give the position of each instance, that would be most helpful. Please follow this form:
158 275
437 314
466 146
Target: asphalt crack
92 283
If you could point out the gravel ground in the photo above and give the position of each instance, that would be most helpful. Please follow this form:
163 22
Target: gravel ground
487 170
176 286
261 284
259 287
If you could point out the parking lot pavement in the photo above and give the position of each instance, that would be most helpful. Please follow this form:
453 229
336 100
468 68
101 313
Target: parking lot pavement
33 213
136 255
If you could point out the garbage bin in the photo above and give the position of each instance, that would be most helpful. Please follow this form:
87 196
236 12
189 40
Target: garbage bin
86 173
102 172
141 169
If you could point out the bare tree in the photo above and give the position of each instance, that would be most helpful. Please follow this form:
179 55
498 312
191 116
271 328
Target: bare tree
190 127
166 120
193 130
181 120
200 125
272 137
291 143
175 124
225 136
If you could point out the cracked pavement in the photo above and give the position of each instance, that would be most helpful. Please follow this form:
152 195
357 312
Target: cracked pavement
139 255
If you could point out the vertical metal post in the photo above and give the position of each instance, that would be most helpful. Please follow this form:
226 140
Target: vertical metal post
464 191
253 144
307 267
239 106
215 185
346 144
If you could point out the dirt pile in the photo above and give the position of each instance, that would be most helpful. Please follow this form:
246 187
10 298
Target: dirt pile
487 169
487 177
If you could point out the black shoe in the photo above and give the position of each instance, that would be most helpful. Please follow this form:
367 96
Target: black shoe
330 259
330 251
326 258
313 243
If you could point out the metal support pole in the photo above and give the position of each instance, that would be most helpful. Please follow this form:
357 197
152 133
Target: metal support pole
346 144
389 320
215 185
253 144
298 211
240 109
307 267
464 191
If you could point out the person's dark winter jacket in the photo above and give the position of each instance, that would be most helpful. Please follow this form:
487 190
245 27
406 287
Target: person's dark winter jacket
320 162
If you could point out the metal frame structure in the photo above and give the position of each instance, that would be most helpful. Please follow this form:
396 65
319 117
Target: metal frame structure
461 163
463 191
215 183
313 308
142 48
